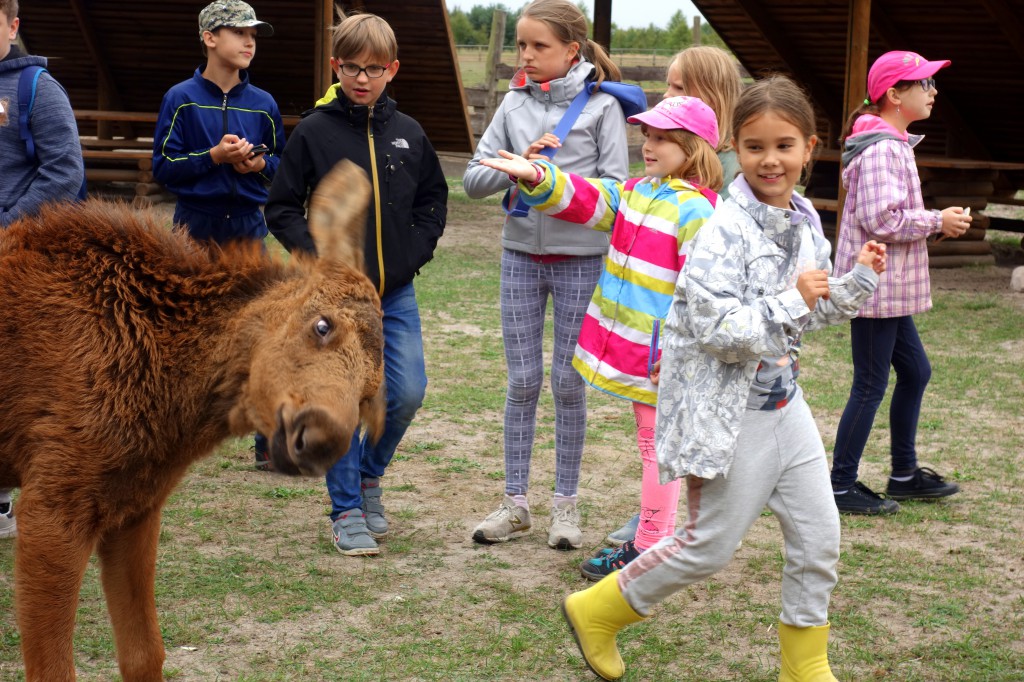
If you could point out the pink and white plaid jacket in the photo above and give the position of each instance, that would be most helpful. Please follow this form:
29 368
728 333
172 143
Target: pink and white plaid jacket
884 203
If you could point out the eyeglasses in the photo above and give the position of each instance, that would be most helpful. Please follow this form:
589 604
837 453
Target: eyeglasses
926 84
372 71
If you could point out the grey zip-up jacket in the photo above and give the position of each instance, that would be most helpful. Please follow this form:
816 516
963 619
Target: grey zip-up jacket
594 148
736 304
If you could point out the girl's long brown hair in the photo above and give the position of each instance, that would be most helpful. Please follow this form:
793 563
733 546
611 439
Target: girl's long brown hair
569 25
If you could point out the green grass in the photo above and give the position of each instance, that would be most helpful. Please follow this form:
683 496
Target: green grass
250 589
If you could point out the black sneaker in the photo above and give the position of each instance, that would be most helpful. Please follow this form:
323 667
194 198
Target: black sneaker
860 499
261 455
925 485
600 566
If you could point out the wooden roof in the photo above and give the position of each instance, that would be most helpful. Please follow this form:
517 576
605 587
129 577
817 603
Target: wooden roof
111 54
981 96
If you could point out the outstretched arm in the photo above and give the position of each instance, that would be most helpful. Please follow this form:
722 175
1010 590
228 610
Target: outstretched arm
515 166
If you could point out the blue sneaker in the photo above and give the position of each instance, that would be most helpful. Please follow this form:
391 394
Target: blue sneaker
373 508
601 566
625 534
351 536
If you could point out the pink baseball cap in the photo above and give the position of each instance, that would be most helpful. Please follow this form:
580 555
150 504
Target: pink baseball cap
688 113
899 65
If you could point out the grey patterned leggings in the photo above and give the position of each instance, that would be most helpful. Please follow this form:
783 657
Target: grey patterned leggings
525 286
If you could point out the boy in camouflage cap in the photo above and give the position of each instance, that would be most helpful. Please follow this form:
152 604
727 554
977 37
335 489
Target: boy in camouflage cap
233 13
218 139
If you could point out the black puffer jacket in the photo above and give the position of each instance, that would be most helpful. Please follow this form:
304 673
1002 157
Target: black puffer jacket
409 185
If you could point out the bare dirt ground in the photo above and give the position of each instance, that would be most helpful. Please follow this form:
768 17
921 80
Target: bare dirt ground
433 508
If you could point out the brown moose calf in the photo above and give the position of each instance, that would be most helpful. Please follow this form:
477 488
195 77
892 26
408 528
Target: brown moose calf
128 353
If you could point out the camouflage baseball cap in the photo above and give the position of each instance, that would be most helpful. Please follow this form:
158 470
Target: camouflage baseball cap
233 13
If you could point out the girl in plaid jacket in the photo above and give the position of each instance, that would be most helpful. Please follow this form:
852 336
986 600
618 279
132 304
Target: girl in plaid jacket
884 203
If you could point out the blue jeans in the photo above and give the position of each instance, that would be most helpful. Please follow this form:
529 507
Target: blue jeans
877 343
406 378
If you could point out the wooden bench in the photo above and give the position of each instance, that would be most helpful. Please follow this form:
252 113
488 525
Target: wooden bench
948 181
124 158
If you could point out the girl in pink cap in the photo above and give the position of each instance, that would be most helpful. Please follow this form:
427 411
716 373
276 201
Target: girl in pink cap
884 203
651 220
731 418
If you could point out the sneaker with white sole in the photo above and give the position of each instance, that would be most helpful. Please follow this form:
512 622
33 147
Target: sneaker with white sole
8 524
625 534
351 537
565 530
510 521
373 508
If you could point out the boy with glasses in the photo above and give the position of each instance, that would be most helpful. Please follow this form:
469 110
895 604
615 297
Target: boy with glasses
356 120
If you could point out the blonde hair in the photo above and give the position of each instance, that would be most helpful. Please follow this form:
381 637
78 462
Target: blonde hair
710 73
701 166
357 33
569 25
3 111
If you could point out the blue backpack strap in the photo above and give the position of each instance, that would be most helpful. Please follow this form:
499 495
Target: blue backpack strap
28 80
512 199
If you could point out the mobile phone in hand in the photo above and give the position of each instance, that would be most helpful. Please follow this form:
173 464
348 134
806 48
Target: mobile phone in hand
258 149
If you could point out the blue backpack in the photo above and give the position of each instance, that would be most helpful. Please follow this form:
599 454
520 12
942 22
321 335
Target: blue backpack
28 81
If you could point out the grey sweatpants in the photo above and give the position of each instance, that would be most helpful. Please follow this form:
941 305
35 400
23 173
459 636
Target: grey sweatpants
780 462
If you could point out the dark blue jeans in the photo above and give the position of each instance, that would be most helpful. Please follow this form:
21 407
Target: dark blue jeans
406 378
219 228
878 343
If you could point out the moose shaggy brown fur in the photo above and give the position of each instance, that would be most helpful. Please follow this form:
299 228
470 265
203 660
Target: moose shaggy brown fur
127 352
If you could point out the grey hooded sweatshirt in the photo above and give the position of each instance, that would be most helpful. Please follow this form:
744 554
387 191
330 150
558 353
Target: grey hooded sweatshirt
594 148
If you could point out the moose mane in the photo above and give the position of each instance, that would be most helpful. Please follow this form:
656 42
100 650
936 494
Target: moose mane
134 265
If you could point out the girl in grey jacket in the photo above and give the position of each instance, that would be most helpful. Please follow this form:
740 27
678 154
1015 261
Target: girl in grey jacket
543 256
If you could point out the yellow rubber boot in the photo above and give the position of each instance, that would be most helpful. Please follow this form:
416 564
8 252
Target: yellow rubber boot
804 654
595 615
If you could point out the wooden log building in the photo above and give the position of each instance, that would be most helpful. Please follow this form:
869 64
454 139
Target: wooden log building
116 59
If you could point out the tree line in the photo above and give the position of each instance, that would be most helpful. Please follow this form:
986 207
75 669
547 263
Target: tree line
473 27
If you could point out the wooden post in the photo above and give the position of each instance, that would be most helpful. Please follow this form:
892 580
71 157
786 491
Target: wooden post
603 23
494 49
695 34
323 75
857 32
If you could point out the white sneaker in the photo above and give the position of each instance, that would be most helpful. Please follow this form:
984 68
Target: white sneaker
565 530
510 521
8 524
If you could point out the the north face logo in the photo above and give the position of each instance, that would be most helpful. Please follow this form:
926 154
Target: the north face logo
400 143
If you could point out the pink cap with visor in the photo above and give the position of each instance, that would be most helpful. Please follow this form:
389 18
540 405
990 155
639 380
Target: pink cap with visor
687 113
893 67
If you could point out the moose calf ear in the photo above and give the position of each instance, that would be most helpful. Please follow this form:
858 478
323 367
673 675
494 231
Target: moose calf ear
337 215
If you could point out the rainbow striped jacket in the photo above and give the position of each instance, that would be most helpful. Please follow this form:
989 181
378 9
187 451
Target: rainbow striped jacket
651 221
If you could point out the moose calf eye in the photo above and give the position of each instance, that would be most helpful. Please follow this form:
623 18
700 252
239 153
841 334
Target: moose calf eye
322 327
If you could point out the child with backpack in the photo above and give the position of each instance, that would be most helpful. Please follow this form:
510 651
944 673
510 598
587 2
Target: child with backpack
39 143
561 85
42 156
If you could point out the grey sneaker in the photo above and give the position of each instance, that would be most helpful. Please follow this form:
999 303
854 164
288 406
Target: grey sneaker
373 508
507 523
8 524
565 530
351 537
627 533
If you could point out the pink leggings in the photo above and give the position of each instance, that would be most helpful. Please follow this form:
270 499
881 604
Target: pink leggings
657 502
